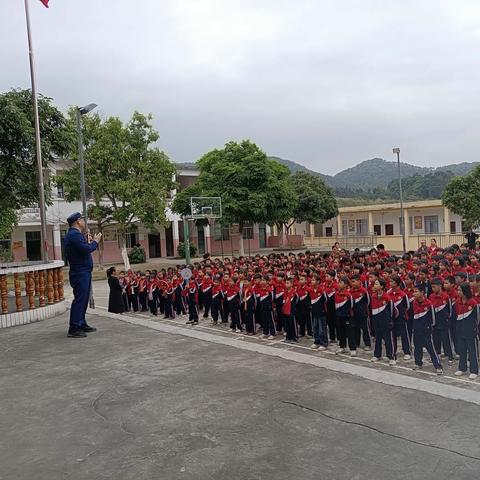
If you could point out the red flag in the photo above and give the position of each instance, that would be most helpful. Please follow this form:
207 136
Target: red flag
45 2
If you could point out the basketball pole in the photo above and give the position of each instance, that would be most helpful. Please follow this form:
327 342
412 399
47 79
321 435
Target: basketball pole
186 241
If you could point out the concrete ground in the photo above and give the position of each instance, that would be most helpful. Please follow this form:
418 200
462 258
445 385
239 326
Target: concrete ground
133 402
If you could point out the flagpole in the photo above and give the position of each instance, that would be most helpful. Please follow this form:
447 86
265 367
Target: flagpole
38 147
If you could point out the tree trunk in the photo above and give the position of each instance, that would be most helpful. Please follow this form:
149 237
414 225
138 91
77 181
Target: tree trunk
280 234
240 242
101 247
123 246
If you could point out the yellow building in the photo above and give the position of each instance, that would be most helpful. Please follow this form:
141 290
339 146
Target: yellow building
367 225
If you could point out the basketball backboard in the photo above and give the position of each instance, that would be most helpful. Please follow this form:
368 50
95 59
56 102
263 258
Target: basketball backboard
205 207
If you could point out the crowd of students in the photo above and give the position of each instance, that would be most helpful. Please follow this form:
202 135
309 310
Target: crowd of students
422 302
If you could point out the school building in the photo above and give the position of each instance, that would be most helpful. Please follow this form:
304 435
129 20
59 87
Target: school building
25 240
368 225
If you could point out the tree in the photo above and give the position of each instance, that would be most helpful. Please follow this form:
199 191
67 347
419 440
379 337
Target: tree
252 188
314 201
18 179
123 168
461 196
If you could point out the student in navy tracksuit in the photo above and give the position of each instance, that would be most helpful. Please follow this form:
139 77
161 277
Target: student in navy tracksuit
467 331
441 331
217 298
382 320
361 302
402 304
330 285
302 309
319 314
288 312
232 296
191 292
266 310
343 317
249 302
423 322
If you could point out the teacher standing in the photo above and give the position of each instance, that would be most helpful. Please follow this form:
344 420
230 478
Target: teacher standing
78 252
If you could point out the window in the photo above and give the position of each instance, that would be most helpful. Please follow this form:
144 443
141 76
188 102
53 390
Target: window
248 231
453 227
109 234
5 244
60 191
328 232
362 226
389 229
410 224
131 239
377 230
221 232
344 227
431 224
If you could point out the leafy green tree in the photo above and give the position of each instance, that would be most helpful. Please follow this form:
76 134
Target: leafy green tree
253 188
125 169
462 196
314 202
18 167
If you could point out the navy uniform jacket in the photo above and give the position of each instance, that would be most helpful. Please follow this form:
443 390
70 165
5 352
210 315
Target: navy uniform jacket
78 251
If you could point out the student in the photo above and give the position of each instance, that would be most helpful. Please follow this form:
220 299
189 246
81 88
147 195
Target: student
217 299
402 304
423 321
302 309
266 309
151 287
319 317
249 307
441 331
343 317
206 289
279 289
467 331
288 312
142 292
233 300
329 288
123 282
169 296
452 292
361 302
115 300
382 320
191 292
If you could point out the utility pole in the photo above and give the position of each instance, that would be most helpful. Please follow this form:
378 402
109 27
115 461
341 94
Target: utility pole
402 215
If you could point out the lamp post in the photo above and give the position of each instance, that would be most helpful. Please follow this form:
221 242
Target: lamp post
83 111
402 215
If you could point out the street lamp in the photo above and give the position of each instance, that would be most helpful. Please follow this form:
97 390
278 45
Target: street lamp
82 111
402 216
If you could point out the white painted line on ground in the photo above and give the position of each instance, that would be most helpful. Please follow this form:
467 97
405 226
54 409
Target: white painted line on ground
380 376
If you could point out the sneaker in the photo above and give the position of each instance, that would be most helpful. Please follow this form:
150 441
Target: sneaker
76 334
264 336
333 341
450 362
407 357
457 356
374 359
89 329
353 353
367 349
284 334
439 371
473 376
417 367
189 322
392 362
459 373
315 346
322 348
271 337
340 350
424 350
238 330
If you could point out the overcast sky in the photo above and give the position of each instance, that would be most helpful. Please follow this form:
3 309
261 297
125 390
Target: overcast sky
324 83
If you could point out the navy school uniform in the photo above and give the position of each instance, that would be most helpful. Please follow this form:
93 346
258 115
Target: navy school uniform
290 299
302 311
132 294
423 321
361 302
343 318
318 301
169 295
250 305
266 309
279 291
179 285
400 329
217 299
233 300
441 331
192 300
330 305
151 287
382 320
206 292
467 330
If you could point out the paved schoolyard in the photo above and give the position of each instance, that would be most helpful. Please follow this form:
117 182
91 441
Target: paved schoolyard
132 402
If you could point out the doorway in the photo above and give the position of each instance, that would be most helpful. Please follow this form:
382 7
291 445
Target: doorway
262 235
201 240
154 248
34 245
169 241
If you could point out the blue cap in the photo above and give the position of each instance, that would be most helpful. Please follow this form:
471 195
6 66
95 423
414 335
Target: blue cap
73 218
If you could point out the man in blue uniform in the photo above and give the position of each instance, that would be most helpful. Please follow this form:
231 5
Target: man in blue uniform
79 256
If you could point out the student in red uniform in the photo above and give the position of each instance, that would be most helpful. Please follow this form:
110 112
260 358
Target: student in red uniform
467 331
361 302
452 292
191 292
441 332
279 289
382 320
423 322
402 304
343 317
233 300
288 312
266 309
217 299
206 289
302 309
319 319
249 307
329 287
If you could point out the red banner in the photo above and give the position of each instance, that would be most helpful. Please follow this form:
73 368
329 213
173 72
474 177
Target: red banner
45 2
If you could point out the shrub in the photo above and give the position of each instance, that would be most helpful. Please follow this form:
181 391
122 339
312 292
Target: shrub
181 250
6 255
137 255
